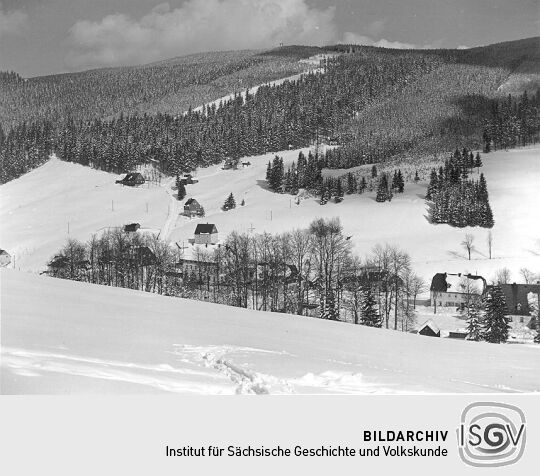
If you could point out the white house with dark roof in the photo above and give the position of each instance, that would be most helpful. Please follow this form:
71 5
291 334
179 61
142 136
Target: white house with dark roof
206 234
447 290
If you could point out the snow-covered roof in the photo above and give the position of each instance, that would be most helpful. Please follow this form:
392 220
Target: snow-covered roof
429 323
444 282
453 283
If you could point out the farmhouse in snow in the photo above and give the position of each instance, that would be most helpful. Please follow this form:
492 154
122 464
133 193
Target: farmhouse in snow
206 234
192 208
132 179
447 291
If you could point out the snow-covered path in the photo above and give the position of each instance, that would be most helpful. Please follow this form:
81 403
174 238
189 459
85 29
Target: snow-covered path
54 341
173 210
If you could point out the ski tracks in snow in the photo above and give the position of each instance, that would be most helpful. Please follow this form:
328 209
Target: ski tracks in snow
218 357
224 359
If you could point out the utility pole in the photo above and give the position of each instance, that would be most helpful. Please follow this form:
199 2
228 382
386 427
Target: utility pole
68 228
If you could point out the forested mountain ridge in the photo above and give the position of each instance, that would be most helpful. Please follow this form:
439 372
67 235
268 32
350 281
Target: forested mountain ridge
378 104
169 86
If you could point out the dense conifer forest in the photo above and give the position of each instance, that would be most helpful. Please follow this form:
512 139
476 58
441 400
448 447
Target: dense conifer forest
457 199
377 104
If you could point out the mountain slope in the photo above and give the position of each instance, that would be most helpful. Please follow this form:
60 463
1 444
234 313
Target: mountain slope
59 200
170 86
53 341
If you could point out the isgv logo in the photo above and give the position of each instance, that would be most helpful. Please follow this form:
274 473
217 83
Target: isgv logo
491 434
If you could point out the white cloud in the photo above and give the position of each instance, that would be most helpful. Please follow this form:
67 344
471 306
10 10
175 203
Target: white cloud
199 25
356 39
12 21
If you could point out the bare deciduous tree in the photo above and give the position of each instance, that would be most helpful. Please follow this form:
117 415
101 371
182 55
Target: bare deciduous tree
490 242
502 276
468 245
527 275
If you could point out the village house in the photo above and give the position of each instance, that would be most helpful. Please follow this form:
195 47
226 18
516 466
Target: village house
132 179
206 234
447 290
230 164
5 258
203 272
192 208
188 179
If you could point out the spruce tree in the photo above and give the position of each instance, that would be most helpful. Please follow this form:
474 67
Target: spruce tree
395 181
351 183
323 195
496 324
400 182
478 161
482 189
339 192
474 324
369 315
486 215
229 204
181 191
373 171
432 187
383 193
362 185
416 177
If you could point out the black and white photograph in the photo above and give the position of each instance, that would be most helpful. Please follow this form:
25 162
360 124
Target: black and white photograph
229 197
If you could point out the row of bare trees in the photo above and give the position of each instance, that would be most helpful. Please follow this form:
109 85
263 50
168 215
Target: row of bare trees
309 271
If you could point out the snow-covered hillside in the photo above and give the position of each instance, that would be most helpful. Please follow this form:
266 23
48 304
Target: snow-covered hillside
512 176
53 341
37 209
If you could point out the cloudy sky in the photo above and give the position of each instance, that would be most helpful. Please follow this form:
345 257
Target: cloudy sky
50 36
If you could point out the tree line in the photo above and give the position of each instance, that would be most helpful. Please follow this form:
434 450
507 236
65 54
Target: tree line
512 122
309 272
307 173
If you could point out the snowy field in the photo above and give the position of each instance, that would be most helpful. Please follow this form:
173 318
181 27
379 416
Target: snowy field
54 341
513 179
